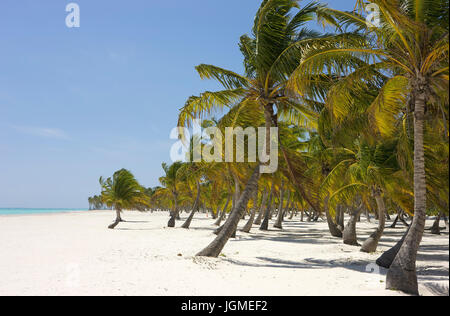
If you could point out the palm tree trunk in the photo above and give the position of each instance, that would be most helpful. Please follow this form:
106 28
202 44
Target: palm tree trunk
259 217
340 216
371 244
349 234
249 224
335 232
224 211
216 214
394 224
175 213
287 207
402 218
293 211
118 219
235 199
279 221
402 273
388 256
261 209
214 249
435 229
265 222
195 208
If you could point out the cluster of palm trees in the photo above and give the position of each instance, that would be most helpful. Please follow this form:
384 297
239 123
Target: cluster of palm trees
96 203
362 114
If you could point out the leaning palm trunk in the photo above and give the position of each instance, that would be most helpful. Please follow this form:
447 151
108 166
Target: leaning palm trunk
279 221
234 200
224 211
435 229
175 213
394 224
216 214
402 273
371 244
349 235
261 210
248 226
287 208
340 216
388 256
334 230
230 226
292 211
265 223
118 219
195 208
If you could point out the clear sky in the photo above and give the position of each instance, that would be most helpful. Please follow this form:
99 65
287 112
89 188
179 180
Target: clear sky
77 104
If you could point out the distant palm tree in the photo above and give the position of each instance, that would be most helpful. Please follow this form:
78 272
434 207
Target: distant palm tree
171 181
123 192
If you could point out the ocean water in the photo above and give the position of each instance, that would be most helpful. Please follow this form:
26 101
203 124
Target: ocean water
26 211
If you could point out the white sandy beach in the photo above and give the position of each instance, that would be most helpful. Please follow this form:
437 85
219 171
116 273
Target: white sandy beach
75 254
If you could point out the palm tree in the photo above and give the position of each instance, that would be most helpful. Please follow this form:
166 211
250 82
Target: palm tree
123 192
411 46
368 172
270 56
229 228
171 182
248 226
269 59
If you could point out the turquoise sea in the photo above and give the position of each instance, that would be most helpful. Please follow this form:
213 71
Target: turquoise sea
26 211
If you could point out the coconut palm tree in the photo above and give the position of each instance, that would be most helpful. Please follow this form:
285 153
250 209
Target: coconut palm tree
123 192
268 60
412 46
278 37
171 181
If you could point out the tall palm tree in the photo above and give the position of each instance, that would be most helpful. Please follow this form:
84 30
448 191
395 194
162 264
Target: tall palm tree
278 35
411 47
123 192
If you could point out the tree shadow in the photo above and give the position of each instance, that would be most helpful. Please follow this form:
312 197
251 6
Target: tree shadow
437 289
363 266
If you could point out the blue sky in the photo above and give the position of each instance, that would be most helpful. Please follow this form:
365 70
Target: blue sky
77 104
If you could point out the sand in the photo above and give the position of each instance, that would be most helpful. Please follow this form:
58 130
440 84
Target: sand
74 254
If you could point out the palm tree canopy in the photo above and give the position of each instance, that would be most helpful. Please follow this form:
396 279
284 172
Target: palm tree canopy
123 192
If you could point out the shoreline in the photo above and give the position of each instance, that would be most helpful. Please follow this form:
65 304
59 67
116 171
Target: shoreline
52 213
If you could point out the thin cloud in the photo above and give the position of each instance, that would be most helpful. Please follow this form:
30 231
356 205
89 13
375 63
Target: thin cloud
45 132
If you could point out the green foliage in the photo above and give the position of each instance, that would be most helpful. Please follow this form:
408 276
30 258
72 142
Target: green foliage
123 192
